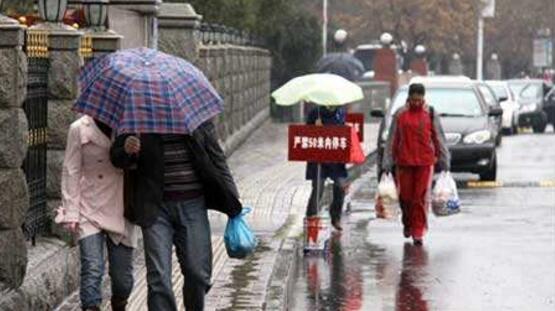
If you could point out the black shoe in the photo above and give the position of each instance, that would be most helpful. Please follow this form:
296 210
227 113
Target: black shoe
418 242
337 225
406 232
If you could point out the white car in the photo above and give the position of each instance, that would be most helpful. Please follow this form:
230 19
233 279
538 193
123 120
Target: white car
509 103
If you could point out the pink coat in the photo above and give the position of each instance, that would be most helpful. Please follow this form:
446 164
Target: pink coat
92 189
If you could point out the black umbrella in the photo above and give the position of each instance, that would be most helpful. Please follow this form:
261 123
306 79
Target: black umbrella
341 64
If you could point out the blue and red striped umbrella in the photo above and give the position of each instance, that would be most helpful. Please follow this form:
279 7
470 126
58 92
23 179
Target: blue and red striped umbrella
146 91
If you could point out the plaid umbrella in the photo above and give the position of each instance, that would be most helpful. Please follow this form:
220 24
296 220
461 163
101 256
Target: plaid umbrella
146 91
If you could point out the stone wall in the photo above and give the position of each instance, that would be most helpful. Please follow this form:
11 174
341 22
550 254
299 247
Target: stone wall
14 197
242 76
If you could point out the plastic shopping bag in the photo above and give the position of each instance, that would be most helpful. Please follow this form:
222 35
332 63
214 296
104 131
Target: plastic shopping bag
239 239
387 198
356 155
445 198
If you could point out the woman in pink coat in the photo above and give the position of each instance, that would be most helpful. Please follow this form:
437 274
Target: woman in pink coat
92 207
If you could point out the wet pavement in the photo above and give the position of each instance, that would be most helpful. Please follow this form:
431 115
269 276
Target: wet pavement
497 254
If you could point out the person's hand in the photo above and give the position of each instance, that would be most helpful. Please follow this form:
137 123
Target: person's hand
132 145
318 122
71 226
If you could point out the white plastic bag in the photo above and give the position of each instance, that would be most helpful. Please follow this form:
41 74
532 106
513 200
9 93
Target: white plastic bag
387 189
387 198
445 198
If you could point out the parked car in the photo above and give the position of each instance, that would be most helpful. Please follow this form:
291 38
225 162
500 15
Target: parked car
465 118
531 93
508 102
439 78
549 106
492 102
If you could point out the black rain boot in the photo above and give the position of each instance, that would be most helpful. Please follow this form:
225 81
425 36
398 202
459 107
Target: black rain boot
118 304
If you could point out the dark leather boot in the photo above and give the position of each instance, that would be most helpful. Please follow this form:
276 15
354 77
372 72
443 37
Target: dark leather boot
118 304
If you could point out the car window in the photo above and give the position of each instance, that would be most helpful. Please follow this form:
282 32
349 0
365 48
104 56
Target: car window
517 87
448 101
489 97
500 90
532 91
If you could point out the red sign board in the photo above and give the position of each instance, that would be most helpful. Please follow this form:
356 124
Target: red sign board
320 143
356 120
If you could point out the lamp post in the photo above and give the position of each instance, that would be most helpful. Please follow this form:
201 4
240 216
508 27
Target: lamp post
386 39
52 10
487 10
420 50
4 20
325 27
96 13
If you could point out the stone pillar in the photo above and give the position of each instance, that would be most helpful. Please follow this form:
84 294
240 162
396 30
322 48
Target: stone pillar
455 65
385 67
493 68
63 90
419 66
104 42
136 21
14 196
178 28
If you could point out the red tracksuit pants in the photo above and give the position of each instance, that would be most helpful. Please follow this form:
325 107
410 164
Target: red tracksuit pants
414 183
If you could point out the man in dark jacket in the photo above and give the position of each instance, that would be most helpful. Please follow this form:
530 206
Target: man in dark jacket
170 182
337 172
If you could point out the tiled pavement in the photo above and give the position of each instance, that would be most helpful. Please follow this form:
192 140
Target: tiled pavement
277 191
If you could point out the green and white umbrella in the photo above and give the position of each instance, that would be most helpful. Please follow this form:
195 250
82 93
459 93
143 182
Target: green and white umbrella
322 88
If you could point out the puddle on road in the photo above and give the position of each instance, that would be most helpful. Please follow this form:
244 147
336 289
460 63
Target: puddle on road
357 275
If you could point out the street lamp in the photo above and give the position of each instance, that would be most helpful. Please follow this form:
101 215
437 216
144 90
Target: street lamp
494 56
420 50
456 56
325 26
96 13
52 10
386 38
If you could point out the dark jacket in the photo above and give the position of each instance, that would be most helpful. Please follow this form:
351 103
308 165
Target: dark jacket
329 170
144 175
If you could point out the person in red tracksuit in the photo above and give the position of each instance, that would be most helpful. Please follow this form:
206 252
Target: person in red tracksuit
416 142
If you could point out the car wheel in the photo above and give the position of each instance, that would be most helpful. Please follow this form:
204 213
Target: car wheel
491 173
539 127
498 139
514 129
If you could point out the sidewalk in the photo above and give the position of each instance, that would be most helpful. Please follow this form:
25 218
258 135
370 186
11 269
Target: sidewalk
277 191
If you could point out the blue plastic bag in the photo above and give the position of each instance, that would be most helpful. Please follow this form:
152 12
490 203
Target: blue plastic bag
238 237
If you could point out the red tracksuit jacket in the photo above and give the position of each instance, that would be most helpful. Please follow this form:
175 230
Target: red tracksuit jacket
415 140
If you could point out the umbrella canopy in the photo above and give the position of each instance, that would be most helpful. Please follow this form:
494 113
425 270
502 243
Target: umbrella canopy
321 88
146 91
341 64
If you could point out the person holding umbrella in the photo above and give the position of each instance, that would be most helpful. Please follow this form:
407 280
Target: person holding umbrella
161 108
329 92
337 172
341 62
416 142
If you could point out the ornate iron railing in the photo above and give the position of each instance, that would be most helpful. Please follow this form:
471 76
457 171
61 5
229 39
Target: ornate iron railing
36 110
220 34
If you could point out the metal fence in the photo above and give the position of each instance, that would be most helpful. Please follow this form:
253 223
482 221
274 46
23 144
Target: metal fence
220 34
36 110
